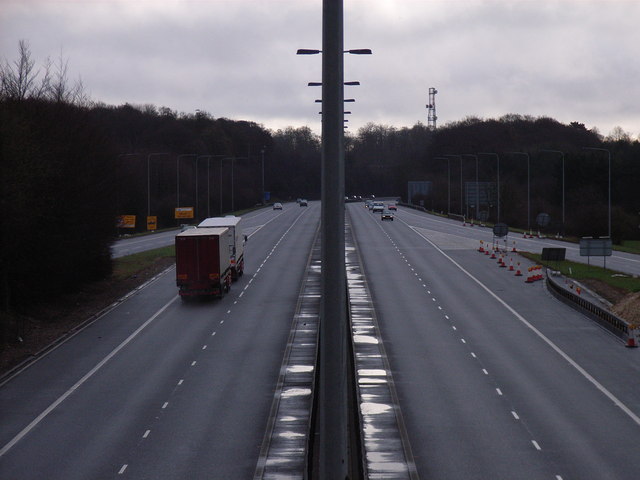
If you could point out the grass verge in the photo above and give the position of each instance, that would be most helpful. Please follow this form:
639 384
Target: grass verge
126 267
580 271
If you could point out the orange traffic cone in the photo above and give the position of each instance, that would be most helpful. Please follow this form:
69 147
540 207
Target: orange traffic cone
518 272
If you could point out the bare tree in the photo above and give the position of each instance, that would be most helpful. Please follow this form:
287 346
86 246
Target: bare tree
18 79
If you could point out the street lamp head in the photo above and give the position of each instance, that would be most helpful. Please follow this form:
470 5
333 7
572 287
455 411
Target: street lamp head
319 84
356 51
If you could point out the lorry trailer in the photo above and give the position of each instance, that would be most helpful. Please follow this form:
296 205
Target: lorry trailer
236 240
203 262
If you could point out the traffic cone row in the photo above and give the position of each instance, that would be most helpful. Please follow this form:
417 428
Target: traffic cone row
535 274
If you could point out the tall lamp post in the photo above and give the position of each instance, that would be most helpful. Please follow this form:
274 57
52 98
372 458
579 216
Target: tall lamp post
497 180
448 181
333 445
562 154
263 193
528 187
477 185
149 179
122 155
178 174
461 203
609 188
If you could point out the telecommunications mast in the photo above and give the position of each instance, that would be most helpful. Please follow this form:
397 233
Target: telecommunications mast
431 109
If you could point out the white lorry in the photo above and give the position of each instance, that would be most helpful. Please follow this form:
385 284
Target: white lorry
236 240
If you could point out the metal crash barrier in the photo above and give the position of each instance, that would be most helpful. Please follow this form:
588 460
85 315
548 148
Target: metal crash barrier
616 325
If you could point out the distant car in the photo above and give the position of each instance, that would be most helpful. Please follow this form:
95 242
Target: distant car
386 215
277 206
298 200
303 203
392 206
377 207
184 227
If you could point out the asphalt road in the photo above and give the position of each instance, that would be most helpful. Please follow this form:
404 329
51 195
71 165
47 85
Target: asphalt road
496 379
619 261
140 243
160 388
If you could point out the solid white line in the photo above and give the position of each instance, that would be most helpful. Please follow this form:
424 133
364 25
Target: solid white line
557 349
80 382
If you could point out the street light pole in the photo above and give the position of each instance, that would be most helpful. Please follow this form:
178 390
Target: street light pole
263 193
448 182
333 375
562 154
477 186
609 194
178 174
528 187
461 203
498 180
149 180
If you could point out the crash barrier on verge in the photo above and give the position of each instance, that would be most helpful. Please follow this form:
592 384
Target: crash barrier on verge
616 325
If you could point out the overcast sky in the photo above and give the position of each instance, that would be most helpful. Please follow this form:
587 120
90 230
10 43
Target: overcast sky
572 60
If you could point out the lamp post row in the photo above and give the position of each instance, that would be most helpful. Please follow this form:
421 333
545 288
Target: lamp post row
527 156
197 158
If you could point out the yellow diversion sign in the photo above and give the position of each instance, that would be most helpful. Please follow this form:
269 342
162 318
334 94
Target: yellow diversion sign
184 212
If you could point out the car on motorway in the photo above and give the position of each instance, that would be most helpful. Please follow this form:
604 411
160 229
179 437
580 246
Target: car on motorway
277 206
386 215
377 207
303 203
392 206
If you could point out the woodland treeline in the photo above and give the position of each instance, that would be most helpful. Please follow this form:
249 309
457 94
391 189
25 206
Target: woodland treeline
70 166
